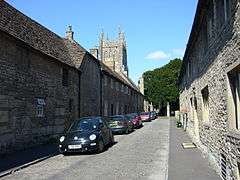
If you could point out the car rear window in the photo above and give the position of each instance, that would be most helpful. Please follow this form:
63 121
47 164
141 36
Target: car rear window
146 113
85 124
116 118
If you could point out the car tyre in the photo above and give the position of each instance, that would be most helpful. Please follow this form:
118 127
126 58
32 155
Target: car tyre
100 146
112 141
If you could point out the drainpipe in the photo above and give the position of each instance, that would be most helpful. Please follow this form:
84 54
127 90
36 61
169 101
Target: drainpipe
101 92
79 93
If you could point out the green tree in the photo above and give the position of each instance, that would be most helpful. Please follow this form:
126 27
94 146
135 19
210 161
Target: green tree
161 84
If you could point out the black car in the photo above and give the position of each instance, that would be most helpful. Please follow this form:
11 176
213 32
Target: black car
120 124
86 134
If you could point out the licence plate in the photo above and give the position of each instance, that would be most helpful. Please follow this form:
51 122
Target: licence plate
75 146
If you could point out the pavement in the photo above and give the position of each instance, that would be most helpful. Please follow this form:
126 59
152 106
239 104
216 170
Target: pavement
141 155
186 164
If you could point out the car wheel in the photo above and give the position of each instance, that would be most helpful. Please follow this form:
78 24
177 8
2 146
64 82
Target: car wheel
100 146
112 141
65 153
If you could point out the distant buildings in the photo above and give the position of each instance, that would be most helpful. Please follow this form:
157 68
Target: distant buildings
209 83
48 81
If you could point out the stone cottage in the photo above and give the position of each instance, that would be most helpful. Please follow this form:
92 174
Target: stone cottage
209 84
46 81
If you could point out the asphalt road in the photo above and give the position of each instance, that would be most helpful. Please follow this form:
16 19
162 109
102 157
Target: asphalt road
142 154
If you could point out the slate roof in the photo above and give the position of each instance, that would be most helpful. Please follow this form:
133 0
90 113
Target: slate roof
122 77
69 52
34 34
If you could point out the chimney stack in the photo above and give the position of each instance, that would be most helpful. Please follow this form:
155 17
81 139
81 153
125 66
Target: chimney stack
69 33
94 52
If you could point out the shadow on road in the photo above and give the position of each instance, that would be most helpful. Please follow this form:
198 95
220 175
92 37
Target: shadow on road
20 158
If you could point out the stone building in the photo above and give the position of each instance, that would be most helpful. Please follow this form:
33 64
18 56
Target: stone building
147 106
209 83
119 95
46 81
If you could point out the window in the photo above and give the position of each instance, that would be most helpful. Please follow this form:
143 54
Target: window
122 88
70 105
117 108
117 87
40 107
233 98
40 111
125 109
64 77
105 108
112 109
210 19
105 80
205 107
126 90
220 8
228 8
112 83
4 116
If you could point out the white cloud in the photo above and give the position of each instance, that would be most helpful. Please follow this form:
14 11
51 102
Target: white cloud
158 55
178 52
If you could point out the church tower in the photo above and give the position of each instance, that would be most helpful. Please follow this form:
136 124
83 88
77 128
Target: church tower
113 53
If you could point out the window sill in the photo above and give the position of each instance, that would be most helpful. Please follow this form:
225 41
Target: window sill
234 133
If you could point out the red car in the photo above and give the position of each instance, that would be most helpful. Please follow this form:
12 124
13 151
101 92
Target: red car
145 116
135 119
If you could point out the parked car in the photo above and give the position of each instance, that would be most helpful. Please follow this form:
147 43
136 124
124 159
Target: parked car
145 116
136 119
153 115
119 124
86 134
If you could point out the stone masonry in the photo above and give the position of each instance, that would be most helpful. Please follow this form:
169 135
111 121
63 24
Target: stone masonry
209 88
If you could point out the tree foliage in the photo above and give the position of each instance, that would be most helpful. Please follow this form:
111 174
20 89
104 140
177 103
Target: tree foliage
161 84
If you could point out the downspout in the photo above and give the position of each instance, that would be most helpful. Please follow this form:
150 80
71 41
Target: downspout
79 93
101 92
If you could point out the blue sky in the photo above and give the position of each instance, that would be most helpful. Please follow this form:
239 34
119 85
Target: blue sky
156 30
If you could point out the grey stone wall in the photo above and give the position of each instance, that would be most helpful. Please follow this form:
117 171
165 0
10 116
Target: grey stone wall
90 87
25 76
209 69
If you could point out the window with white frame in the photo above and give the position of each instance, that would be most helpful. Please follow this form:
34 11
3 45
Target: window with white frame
205 104
233 98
